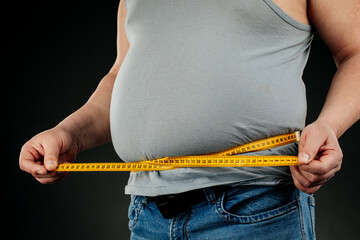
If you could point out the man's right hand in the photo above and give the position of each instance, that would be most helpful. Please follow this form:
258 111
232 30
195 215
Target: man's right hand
41 154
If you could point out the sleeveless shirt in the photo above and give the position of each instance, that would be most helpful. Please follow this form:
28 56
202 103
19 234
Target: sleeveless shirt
203 76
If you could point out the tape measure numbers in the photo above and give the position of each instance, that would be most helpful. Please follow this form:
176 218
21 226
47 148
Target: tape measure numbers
221 159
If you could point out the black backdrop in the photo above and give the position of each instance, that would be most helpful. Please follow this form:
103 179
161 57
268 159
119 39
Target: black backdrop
56 52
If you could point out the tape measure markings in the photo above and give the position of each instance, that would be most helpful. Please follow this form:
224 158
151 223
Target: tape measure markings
221 159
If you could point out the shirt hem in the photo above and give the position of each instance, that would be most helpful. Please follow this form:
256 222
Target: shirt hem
162 190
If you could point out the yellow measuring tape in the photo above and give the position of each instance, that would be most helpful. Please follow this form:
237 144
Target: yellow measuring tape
221 159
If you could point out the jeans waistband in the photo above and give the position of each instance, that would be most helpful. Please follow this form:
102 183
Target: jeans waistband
172 204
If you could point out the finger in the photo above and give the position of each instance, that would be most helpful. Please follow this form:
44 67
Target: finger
316 180
47 175
302 183
299 177
61 177
309 145
52 180
33 168
324 165
308 190
51 174
308 181
28 161
51 155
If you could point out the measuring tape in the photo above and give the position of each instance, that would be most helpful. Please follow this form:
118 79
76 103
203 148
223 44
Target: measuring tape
221 159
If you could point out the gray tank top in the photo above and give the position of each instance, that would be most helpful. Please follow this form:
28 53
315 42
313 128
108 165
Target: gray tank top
204 76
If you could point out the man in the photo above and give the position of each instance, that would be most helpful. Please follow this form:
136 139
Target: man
197 77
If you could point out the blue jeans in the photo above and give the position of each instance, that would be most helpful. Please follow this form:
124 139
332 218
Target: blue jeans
243 212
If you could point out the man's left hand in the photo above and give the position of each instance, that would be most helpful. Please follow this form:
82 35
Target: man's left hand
320 157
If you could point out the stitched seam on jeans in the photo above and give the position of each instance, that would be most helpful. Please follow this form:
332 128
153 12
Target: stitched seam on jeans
137 211
312 200
300 215
186 224
252 219
207 194
312 212
277 212
172 228
212 196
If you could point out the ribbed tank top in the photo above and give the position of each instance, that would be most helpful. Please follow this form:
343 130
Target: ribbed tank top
204 76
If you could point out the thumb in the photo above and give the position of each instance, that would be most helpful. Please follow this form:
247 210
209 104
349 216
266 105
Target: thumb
51 155
309 146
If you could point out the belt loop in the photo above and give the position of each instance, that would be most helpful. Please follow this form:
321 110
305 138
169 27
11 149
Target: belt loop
210 196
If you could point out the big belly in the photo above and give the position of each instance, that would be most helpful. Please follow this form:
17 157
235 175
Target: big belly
167 109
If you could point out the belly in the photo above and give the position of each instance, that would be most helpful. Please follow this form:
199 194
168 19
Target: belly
184 105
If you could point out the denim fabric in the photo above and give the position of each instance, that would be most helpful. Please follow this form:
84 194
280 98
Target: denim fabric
244 212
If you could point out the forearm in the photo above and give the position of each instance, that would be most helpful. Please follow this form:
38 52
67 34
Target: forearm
90 125
342 105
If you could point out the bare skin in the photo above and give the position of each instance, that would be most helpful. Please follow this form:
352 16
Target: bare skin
335 21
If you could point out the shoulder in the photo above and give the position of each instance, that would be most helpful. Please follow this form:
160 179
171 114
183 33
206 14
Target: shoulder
337 23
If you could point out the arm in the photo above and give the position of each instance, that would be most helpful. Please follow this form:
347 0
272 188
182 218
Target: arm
91 123
86 128
337 23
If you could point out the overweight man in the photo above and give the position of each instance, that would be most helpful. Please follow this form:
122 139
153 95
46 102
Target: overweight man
195 77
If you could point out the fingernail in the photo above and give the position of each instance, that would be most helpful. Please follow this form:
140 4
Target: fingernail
50 164
304 158
41 172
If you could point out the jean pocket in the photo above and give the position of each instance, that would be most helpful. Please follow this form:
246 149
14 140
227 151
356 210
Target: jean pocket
254 204
135 207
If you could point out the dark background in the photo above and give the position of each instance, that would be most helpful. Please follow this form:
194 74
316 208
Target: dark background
56 52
